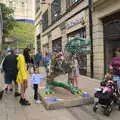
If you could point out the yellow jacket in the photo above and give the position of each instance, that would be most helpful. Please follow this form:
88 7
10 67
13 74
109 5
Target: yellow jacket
22 69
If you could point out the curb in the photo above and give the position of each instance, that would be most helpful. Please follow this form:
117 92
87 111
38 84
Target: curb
66 103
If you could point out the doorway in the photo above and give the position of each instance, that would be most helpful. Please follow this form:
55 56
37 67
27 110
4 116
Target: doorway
57 45
82 59
111 26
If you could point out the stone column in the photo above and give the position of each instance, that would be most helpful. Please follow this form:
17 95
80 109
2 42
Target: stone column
50 42
49 15
63 34
87 37
98 47
63 6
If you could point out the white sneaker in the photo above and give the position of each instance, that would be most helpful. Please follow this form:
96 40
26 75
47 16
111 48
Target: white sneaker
37 101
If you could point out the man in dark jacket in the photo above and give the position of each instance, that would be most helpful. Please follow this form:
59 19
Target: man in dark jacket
10 72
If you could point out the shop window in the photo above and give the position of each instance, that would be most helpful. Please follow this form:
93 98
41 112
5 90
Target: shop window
82 59
55 10
79 33
45 20
82 33
57 45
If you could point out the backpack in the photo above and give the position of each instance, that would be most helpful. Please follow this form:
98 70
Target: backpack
10 64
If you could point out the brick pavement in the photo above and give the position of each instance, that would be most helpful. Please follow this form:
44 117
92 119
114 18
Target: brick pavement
10 109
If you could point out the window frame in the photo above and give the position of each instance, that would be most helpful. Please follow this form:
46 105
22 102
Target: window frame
45 20
55 4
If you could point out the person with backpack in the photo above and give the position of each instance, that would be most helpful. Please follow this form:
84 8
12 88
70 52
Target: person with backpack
9 67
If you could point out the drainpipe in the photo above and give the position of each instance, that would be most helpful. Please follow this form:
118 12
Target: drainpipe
91 37
1 27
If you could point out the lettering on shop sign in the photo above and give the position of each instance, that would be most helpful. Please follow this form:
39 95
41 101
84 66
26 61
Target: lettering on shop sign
75 22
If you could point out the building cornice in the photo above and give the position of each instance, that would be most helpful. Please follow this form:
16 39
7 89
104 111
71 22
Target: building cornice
98 2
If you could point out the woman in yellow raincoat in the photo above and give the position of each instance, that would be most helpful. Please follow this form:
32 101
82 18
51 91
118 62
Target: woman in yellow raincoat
22 64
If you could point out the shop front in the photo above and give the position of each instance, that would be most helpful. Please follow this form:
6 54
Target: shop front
106 34
111 36
82 59
76 27
57 45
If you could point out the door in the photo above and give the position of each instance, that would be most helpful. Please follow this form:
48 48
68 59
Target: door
111 37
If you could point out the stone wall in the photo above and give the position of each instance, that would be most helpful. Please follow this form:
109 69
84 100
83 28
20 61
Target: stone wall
102 10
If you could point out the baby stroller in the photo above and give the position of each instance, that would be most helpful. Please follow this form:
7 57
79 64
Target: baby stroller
106 95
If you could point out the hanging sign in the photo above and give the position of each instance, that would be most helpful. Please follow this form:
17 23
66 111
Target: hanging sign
78 19
75 22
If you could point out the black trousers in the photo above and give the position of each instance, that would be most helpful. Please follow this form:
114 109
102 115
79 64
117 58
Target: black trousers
36 95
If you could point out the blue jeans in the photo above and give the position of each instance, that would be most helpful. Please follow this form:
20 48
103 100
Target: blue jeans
117 78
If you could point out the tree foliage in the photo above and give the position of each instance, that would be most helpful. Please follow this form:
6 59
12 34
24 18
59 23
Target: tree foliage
8 19
24 34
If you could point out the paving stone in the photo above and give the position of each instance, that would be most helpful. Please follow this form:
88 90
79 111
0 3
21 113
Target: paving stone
10 109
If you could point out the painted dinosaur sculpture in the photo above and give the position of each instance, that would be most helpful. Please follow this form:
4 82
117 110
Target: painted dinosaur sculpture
62 63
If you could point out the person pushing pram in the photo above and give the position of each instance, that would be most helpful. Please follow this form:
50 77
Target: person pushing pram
107 94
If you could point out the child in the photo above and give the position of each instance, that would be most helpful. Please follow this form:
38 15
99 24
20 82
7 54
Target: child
107 77
76 74
36 79
108 84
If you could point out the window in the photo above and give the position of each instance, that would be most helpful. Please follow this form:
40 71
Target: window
70 3
37 5
10 4
83 32
45 20
55 10
22 4
74 1
57 45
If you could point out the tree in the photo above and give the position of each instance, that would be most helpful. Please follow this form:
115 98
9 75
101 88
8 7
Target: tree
24 34
8 20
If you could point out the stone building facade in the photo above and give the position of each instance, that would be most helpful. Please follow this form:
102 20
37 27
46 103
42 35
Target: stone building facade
61 21
24 10
106 33
1 27
72 20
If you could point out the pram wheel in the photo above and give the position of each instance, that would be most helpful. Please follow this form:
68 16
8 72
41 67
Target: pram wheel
107 111
119 108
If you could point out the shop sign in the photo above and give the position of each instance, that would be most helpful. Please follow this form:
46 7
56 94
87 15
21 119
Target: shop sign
75 22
